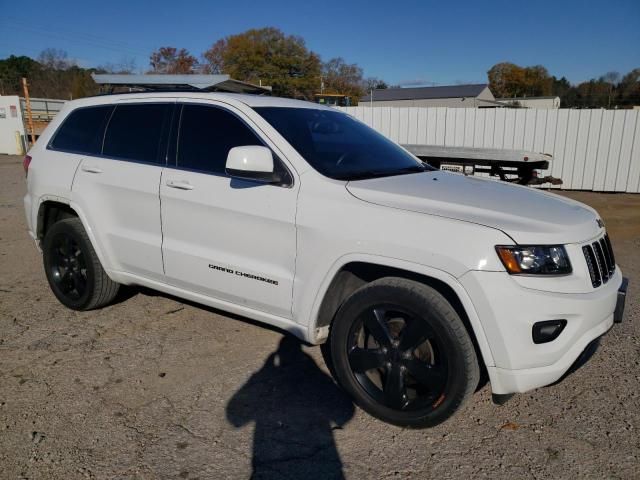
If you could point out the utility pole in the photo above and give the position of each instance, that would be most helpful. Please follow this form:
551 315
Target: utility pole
27 102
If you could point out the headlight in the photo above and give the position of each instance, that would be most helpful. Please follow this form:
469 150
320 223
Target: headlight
534 260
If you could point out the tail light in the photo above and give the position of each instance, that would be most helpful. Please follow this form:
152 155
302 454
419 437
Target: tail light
25 164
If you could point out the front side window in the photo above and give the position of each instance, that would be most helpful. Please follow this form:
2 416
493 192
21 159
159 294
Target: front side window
206 136
338 146
82 131
135 132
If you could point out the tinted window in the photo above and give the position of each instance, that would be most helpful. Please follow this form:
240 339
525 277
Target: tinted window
83 130
339 146
206 136
135 132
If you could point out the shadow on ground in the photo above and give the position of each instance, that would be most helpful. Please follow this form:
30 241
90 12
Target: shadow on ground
295 407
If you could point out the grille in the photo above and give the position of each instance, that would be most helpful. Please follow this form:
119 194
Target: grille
600 260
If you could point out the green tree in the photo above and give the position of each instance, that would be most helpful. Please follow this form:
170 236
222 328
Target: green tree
12 69
269 57
629 88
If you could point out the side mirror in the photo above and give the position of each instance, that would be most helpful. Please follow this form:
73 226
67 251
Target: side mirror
251 162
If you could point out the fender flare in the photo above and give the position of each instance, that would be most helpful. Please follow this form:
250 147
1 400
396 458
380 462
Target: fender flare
85 224
316 335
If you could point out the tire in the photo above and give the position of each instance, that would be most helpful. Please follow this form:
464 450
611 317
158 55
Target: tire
73 269
402 352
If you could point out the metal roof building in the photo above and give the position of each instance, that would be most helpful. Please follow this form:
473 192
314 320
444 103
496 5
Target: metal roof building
191 82
463 96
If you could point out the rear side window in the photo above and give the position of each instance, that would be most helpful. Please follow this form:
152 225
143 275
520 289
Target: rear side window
206 136
137 132
83 130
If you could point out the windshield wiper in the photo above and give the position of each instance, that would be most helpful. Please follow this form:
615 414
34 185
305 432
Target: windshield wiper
366 174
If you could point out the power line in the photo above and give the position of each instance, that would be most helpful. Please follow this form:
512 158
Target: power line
77 40
91 36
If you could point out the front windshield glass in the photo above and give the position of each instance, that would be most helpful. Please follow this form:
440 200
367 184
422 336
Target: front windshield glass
339 146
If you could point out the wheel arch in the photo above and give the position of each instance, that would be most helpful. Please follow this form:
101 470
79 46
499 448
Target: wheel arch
49 212
53 209
351 275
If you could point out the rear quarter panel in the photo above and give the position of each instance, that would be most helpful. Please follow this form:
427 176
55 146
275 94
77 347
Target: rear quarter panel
51 173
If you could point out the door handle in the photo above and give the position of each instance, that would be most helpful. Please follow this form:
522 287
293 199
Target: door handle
179 184
90 169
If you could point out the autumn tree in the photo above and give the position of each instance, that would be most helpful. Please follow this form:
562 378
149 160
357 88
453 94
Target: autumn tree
172 61
342 77
510 80
269 57
214 57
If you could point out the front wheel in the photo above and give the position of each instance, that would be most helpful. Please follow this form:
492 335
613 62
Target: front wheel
402 352
73 269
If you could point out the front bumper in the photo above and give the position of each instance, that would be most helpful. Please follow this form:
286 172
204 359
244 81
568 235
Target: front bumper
508 311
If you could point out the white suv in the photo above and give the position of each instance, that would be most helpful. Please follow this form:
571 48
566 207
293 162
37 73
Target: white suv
297 215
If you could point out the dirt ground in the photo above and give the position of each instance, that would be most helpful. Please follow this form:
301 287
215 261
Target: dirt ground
153 387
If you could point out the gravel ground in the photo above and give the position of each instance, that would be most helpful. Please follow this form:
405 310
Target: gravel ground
153 387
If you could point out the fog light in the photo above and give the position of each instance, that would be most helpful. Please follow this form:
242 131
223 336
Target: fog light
548 330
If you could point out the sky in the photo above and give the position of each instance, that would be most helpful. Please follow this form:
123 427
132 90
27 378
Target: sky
403 42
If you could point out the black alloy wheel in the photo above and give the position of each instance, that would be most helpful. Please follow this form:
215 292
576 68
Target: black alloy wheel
68 267
397 358
400 349
74 272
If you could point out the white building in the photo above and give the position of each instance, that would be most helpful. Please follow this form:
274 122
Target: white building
532 102
460 96
11 126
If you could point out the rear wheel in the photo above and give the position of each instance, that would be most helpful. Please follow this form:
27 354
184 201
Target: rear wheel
73 269
400 349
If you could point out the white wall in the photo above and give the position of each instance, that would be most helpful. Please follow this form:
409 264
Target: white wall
10 124
532 102
592 149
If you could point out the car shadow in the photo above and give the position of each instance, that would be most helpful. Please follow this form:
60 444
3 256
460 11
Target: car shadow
295 407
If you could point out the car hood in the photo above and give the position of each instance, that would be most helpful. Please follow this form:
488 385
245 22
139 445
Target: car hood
527 215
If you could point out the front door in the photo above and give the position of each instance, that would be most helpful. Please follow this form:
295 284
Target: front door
230 239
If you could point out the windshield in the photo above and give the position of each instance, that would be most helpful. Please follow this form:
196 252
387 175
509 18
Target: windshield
338 146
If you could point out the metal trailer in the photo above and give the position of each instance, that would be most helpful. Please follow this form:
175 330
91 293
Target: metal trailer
43 110
516 166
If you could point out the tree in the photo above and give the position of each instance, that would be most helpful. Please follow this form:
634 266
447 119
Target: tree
55 59
561 87
538 82
505 80
12 70
342 77
170 60
215 57
269 57
127 65
611 79
629 88
510 80
374 83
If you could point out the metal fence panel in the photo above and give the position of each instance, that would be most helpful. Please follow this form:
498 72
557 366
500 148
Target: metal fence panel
592 149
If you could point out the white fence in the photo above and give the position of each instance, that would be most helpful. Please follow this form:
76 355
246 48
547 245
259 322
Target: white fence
592 149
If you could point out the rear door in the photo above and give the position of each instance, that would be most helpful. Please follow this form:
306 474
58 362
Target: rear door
118 189
230 239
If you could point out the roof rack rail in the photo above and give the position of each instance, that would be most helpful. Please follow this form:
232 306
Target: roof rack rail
109 83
